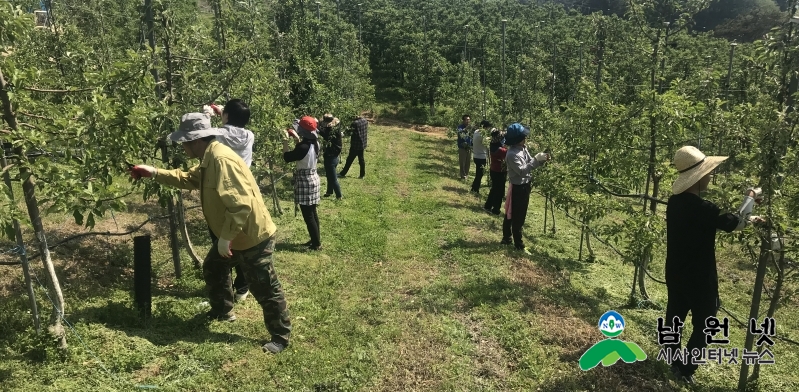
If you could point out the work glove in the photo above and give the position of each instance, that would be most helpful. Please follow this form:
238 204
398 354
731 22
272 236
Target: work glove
758 194
212 110
140 171
541 157
223 247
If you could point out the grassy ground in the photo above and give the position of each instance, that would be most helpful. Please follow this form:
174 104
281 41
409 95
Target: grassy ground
412 292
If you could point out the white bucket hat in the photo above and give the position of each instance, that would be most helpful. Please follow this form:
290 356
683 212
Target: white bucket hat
692 165
193 126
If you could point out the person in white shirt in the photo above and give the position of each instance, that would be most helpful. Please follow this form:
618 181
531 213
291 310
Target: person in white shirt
479 154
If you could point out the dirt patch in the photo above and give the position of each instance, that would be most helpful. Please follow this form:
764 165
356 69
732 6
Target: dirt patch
491 360
413 366
563 328
150 370
439 132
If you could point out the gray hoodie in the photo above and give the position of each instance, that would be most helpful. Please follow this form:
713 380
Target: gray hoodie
239 140
520 164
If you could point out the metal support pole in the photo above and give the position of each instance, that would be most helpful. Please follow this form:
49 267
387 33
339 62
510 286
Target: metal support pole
504 96
552 90
466 44
360 31
142 272
319 27
483 74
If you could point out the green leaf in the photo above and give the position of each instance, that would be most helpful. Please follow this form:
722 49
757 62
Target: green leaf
78 217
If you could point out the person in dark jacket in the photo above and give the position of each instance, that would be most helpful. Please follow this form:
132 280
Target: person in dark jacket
498 172
331 151
691 226
306 181
358 128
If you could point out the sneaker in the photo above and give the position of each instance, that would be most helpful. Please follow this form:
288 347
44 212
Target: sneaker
309 243
275 346
314 247
327 195
339 198
506 242
496 213
488 210
342 175
241 297
229 316
360 177
525 251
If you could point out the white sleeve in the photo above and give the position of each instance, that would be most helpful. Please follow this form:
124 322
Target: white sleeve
744 211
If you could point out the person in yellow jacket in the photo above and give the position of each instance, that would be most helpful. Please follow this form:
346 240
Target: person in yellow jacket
234 210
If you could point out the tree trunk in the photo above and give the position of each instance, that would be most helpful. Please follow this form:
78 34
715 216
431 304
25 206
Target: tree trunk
648 254
185 230
762 262
173 222
775 298
29 190
275 199
23 256
52 280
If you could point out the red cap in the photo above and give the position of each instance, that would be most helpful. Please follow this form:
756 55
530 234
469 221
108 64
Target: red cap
308 123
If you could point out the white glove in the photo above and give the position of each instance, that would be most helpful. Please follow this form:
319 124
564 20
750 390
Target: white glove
758 193
541 157
223 247
208 111
744 212
775 242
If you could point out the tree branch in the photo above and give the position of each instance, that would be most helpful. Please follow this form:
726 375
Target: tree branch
39 90
632 195
92 233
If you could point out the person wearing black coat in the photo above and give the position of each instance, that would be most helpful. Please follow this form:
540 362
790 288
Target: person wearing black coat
331 152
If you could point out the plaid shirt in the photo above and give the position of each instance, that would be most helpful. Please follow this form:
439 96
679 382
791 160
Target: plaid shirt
358 127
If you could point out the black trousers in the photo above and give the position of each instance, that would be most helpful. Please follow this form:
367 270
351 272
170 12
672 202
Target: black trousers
351 158
240 285
494 199
702 305
311 219
520 200
480 167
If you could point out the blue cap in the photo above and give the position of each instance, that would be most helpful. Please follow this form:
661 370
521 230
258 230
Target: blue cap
516 133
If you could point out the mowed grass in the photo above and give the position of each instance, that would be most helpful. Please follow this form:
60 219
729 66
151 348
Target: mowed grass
412 292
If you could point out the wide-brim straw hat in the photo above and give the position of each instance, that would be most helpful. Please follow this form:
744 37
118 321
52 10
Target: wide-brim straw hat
329 121
692 165
193 126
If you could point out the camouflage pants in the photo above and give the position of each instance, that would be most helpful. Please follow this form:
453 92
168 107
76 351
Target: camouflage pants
262 278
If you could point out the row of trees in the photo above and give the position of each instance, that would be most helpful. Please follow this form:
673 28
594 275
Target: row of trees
613 97
105 81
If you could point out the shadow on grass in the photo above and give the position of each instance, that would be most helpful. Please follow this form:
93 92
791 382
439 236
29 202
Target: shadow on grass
164 328
437 169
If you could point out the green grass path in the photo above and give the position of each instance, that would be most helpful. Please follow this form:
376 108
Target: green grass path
412 292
